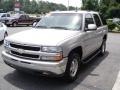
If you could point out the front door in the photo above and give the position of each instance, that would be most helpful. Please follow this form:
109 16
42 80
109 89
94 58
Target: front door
22 20
89 37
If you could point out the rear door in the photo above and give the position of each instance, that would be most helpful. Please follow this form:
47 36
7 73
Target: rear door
99 31
29 20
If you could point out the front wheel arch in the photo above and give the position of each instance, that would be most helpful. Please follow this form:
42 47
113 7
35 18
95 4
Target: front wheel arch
15 23
77 50
68 76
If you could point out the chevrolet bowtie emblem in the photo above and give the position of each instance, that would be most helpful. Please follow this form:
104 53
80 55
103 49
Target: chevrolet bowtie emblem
21 51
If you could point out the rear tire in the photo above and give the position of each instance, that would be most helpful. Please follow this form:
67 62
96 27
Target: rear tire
103 47
72 68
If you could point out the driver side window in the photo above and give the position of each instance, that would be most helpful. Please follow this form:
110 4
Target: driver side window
4 15
88 20
22 17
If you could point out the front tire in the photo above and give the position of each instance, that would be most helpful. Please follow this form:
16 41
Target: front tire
14 24
72 68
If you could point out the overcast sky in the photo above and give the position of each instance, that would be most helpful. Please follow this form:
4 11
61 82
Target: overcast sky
65 2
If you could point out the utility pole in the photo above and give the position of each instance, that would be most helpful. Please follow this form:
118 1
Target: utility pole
68 6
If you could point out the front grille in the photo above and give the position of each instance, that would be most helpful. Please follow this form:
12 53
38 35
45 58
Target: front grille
25 55
25 47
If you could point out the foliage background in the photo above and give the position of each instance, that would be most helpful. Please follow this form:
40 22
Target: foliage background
33 7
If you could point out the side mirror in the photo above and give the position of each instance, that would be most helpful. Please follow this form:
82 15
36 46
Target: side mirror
34 24
92 27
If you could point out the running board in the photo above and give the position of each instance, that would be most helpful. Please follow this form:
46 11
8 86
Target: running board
89 58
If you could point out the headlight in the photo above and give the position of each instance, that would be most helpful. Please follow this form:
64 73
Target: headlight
6 43
51 49
56 57
56 51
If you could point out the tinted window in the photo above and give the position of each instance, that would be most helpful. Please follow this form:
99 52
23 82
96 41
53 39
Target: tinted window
22 17
27 17
97 20
88 20
8 15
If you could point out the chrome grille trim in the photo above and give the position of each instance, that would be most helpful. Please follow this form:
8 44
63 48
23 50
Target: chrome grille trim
24 51
25 47
18 50
24 56
35 52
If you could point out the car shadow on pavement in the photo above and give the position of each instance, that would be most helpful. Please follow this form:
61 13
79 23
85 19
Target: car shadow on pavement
20 26
35 82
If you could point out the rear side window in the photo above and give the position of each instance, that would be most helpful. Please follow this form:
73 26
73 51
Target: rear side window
27 17
97 20
88 20
8 15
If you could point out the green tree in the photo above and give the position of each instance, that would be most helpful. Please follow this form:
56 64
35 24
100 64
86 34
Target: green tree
113 12
7 5
71 8
90 5
31 6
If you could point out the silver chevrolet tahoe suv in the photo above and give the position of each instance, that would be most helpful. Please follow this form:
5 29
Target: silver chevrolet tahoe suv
58 44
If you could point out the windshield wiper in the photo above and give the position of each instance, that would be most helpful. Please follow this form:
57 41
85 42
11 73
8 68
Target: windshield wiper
57 27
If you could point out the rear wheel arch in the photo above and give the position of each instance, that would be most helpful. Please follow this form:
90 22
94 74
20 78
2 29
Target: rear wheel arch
105 37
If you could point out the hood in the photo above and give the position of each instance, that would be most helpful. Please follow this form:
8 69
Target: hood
11 18
45 37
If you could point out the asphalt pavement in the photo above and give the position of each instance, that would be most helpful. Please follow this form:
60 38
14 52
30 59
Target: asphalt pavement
99 74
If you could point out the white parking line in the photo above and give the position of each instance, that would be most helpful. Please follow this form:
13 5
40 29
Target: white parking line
117 83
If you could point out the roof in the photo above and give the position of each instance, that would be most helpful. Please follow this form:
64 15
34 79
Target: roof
80 11
3 13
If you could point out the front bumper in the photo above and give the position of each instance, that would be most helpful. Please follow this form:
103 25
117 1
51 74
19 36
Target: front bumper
56 68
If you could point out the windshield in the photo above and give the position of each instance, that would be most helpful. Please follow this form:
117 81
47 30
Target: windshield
68 21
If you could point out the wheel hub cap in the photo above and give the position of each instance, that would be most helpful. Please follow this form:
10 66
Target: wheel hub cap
74 67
